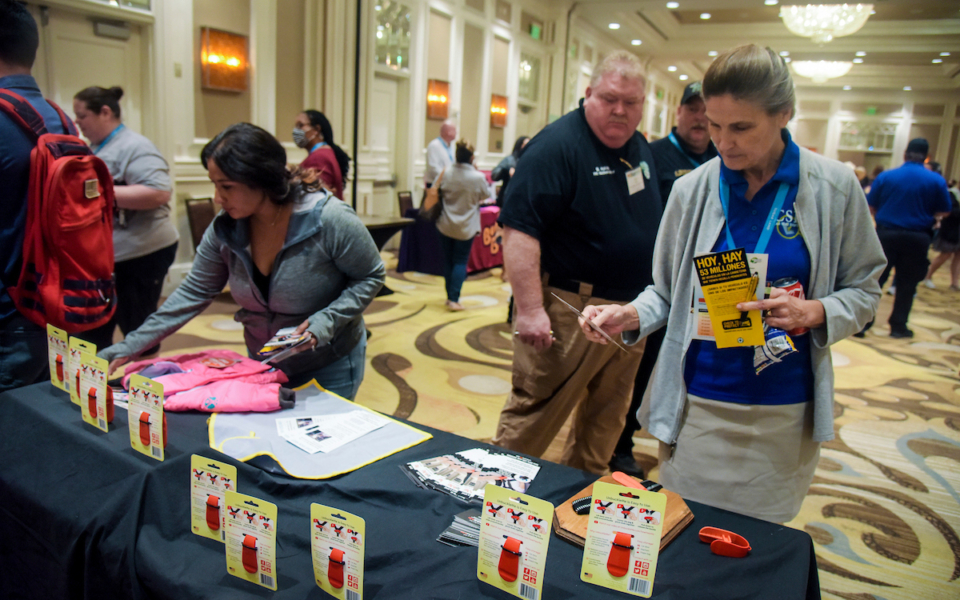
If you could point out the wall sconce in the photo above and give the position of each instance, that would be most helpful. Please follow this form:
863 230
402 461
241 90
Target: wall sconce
438 99
223 60
498 111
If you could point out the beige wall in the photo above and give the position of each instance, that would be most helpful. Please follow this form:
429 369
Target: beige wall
438 62
500 66
290 48
471 101
215 110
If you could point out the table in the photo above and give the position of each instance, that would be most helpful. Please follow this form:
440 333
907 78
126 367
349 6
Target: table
84 516
420 245
384 228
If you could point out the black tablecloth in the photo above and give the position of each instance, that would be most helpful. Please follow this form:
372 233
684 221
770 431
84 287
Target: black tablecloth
84 516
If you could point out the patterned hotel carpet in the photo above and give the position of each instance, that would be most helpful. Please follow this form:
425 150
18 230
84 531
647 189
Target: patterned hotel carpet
884 508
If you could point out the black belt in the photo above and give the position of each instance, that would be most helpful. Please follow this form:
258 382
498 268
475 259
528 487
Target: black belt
588 289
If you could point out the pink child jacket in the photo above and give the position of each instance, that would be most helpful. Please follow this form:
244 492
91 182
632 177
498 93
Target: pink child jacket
213 381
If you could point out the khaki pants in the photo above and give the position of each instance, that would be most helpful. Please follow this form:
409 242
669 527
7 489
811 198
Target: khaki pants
573 373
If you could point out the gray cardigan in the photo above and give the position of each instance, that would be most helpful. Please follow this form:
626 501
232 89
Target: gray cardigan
846 261
328 271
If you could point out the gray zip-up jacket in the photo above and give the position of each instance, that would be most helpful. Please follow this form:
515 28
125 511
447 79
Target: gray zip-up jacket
328 271
845 257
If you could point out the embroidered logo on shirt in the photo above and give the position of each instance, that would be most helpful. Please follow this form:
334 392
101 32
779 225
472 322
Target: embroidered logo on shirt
787 225
645 168
604 170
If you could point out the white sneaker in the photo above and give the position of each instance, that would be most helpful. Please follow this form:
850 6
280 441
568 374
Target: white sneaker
930 284
892 291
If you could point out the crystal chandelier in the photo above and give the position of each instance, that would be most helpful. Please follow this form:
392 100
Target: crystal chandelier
823 22
821 70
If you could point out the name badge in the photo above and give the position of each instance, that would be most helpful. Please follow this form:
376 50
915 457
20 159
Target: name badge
635 181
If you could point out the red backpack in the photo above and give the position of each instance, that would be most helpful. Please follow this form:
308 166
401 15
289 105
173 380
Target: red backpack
67 276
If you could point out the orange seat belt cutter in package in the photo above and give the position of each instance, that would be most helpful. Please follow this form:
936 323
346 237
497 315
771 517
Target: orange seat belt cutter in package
91 385
335 569
509 559
209 482
148 421
725 543
213 512
250 539
57 347
250 554
618 563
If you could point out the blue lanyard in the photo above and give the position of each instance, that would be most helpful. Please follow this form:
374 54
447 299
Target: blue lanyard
673 140
449 149
772 218
108 138
317 145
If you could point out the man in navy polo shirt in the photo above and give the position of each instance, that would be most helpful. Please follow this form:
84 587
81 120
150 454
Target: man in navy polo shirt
23 345
583 205
905 202
687 147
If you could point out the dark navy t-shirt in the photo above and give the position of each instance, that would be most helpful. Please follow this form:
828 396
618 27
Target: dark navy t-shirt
15 148
674 163
728 374
570 192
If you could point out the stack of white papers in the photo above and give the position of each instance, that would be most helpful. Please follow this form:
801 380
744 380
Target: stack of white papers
325 433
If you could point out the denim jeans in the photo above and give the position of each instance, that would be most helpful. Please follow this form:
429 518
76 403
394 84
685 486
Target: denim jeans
456 253
23 353
342 377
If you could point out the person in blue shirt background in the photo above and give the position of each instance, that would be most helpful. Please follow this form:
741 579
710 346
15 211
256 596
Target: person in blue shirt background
905 203
23 345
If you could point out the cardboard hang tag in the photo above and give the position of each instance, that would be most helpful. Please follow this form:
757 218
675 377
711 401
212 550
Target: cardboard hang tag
337 542
210 480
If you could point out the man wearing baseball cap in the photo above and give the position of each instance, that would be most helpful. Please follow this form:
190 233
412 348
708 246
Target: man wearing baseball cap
687 147
904 202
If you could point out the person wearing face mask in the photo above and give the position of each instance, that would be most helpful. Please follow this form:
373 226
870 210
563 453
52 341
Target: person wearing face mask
293 256
312 132
144 236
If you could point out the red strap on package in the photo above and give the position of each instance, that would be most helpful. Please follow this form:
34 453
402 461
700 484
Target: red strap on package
618 563
510 559
335 570
145 428
250 564
59 368
213 512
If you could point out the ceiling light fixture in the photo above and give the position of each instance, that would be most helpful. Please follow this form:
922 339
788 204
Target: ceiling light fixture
671 68
636 42
821 70
823 22
672 5
614 25
847 88
944 54
684 77
937 61
712 53
770 2
787 59
861 53
784 53
858 61
907 88
704 16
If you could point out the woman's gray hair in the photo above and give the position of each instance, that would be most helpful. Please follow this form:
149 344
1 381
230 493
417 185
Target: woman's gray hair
621 62
753 74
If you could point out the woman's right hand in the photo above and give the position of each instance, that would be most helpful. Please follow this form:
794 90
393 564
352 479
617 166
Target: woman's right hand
117 363
613 319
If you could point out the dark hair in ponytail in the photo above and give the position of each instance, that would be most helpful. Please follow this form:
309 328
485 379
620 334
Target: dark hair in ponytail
251 156
96 97
319 121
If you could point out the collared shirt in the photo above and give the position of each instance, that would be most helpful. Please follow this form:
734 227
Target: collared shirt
673 164
908 197
570 192
15 148
439 157
728 374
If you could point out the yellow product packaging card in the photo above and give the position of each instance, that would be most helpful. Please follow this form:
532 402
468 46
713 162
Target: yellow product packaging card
145 416
210 480
76 347
58 353
93 390
623 539
514 537
726 280
336 544
251 541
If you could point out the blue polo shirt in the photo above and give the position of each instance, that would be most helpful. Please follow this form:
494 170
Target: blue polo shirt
728 374
908 197
15 148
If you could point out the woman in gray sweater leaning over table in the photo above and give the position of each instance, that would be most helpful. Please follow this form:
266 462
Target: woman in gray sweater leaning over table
293 256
